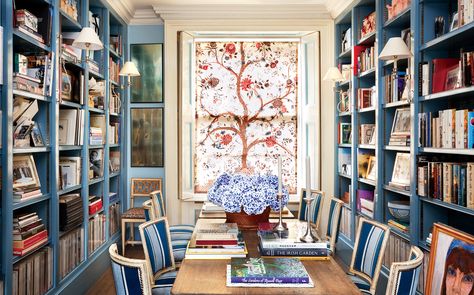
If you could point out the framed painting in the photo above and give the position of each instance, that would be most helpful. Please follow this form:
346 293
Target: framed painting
147 137
24 172
451 267
401 122
148 87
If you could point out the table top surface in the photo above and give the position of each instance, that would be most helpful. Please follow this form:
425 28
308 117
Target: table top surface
286 213
208 276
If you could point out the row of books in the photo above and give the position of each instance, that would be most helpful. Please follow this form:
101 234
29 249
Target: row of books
115 103
24 194
69 172
29 233
116 43
366 97
71 127
23 82
95 136
34 274
71 213
96 233
71 251
465 12
399 225
114 69
395 88
114 132
114 214
366 59
449 128
345 225
447 181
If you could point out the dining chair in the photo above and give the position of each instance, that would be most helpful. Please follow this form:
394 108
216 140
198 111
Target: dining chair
155 236
369 247
140 187
148 210
334 218
403 278
131 276
179 231
315 210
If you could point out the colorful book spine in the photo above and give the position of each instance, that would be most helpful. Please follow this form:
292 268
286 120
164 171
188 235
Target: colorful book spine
269 280
470 130
294 252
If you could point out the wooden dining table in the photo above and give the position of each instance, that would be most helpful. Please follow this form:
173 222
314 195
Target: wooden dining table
208 276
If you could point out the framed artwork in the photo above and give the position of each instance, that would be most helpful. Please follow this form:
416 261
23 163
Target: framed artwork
401 122
24 172
371 170
453 78
147 137
148 87
401 169
451 267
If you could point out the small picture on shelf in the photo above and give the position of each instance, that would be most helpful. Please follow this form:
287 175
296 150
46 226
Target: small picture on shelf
454 22
363 163
372 170
345 133
21 135
453 78
96 163
36 136
66 85
401 122
451 265
24 172
401 171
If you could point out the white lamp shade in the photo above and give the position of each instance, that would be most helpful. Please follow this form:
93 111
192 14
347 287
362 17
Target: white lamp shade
88 39
333 74
129 69
395 49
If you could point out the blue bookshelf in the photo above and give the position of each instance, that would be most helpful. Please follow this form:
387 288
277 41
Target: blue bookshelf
47 157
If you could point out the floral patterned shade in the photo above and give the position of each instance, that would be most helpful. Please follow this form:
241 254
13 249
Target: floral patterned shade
246 110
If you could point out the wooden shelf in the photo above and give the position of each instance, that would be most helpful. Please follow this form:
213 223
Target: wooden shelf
368 39
396 190
25 43
31 150
402 20
96 110
31 201
467 152
451 206
367 181
114 53
68 23
345 175
465 92
345 145
27 94
457 36
397 148
396 104
367 146
96 180
367 110
69 189
114 174
70 148
368 74
70 104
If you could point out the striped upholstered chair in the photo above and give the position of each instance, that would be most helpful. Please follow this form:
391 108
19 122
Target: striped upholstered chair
369 247
148 210
404 276
315 210
179 231
156 240
334 218
131 276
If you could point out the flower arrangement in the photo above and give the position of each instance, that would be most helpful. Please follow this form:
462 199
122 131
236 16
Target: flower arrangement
252 193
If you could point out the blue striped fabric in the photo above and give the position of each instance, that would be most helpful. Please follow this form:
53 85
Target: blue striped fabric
164 283
314 210
334 217
179 249
147 213
181 232
407 281
369 247
161 206
359 282
157 245
127 279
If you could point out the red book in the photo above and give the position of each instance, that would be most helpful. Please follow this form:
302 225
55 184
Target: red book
216 242
439 72
21 252
95 206
213 239
31 240
355 63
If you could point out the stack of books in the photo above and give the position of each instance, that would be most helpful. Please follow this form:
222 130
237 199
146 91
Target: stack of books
367 207
23 194
216 241
96 232
29 233
93 66
210 207
287 243
404 227
95 204
26 83
27 23
267 272
69 53
71 211
95 136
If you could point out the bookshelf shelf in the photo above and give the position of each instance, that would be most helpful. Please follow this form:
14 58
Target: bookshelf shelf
367 181
367 110
27 94
24 43
464 92
401 20
31 201
114 54
31 150
96 75
96 213
451 206
346 54
95 180
368 39
368 74
397 148
114 174
70 148
401 234
68 23
345 175
76 65
114 202
97 111
114 83
114 145
94 147
70 104
344 83
424 245
363 215
467 152
69 189
17 259
396 104
396 190
345 145
114 114
367 146
458 36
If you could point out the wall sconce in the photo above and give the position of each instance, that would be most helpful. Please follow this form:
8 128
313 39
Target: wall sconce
396 49
334 75
88 40
129 70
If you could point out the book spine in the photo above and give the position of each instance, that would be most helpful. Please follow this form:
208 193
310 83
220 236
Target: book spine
294 252
470 131
269 280
275 245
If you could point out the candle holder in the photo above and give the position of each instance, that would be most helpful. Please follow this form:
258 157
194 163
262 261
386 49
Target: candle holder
308 236
280 226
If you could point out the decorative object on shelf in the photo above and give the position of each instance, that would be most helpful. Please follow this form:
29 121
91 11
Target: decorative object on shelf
280 226
395 49
400 210
454 22
401 172
439 26
451 261
308 236
88 40
245 197
147 137
149 86
129 70
346 42
372 169
368 25
401 128
397 7
24 172
70 8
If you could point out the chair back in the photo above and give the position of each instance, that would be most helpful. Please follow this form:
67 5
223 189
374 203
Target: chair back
334 219
404 276
314 213
369 248
156 241
142 187
158 203
130 275
148 209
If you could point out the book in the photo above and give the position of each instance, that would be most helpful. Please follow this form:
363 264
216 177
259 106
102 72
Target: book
440 69
289 239
218 228
363 194
216 239
323 253
268 270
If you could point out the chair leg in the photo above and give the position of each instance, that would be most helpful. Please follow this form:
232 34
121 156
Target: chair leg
132 232
124 233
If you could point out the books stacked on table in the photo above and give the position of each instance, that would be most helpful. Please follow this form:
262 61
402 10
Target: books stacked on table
210 207
287 243
29 233
216 241
71 211
267 272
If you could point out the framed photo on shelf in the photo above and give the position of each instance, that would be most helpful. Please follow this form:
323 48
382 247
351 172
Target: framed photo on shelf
401 122
148 87
36 136
24 172
453 78
401 170
451 264
372 170
147 137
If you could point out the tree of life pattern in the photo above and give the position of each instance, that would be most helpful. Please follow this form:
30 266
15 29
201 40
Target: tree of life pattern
246 110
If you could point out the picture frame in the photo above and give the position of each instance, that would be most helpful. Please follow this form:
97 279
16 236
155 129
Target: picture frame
66 85
371 169
24 172
451 257
454 22
148 87
401 122
401 170
453 78
147 137
36 136
96 163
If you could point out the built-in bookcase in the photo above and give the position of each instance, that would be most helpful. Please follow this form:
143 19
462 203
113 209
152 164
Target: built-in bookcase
416 25
77 89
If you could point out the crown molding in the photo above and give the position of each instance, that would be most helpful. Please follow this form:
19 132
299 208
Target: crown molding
336 7
124 8
145 16
247 11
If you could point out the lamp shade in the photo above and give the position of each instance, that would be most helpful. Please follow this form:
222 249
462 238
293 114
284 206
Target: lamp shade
88 39
395 49
333 74
129 69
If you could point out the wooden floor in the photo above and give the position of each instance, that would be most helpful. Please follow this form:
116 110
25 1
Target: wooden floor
105 284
